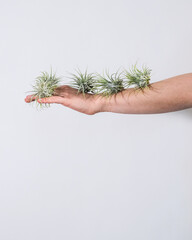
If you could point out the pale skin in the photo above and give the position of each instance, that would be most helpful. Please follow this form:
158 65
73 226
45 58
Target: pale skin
168 95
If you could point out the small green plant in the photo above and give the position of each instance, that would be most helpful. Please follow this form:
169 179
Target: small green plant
45 85
138 78
107 84
83 82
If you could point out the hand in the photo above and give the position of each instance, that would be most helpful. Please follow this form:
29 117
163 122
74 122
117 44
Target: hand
69 97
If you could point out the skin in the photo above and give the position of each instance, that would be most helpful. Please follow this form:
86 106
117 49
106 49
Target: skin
168 95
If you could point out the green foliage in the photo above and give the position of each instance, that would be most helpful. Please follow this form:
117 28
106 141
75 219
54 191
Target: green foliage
107 84
83 82
45 85
138 78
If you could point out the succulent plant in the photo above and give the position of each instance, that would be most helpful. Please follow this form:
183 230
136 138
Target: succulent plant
138 78
107 84
45 85
83 82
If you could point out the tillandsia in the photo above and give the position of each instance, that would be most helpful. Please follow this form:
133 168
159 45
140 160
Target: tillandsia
140 79
83 82
109 84
45 85
93 83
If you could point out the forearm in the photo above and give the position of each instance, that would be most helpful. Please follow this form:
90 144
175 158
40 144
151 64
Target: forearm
171 94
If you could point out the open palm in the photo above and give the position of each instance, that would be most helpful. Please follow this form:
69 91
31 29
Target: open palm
69 97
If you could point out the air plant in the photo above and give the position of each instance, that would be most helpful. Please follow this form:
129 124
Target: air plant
138 78
104 85
83 82
109 84
45 85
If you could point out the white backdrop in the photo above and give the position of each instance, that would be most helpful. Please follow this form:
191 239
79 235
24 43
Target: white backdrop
66 175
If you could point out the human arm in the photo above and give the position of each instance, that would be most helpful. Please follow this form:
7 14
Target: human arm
168 95
171 94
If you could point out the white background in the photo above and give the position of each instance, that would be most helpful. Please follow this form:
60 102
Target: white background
66 175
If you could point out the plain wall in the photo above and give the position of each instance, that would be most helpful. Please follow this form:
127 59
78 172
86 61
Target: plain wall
67 175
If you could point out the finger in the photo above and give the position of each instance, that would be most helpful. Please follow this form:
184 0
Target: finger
30 98
63 91
57 91
53 99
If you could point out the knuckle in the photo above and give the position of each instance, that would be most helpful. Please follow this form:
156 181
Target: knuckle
66 87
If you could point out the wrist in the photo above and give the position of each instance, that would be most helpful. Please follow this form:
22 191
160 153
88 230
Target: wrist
119 102
103 103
